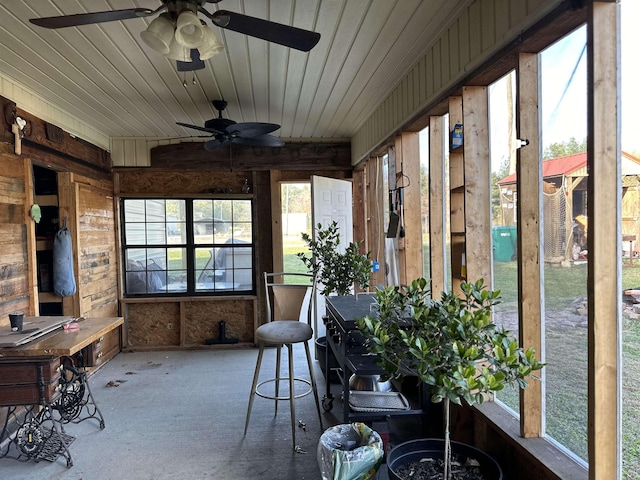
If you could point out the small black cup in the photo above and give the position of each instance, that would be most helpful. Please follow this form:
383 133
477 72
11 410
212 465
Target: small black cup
16 320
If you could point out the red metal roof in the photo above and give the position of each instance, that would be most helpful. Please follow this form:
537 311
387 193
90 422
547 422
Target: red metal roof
555 167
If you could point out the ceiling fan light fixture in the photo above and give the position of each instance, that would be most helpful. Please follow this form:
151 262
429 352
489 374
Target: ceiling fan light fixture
159 34
190 33
211 45
178 52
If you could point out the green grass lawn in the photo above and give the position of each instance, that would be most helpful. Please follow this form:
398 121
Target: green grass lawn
566 356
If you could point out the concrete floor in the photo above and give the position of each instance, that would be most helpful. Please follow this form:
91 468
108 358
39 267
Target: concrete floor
180 415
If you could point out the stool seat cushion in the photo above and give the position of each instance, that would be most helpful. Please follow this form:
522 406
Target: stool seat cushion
284 331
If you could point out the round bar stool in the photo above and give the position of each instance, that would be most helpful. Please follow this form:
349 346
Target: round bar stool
290 303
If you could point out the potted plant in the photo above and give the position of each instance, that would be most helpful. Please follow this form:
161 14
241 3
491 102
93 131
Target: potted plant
334 271
450 344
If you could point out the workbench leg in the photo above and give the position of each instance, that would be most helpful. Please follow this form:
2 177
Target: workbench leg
76 396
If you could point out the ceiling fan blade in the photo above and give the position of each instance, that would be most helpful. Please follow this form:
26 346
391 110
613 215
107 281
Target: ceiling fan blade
202 129
216 144
259 141
251 129
286 35
95 17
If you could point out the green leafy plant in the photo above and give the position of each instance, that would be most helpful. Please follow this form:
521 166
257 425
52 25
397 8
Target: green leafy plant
336 272
449 343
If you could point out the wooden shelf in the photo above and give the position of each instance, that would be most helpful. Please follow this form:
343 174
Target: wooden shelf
48 297
42 245
47 200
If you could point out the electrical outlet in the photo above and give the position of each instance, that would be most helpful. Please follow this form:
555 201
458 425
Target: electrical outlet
169 326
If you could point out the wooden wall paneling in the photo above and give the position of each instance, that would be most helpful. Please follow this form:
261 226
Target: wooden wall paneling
604 240
166 182
477 190
14 272
530 235
487 25
411 210
293 156
437 214
98 254
456 198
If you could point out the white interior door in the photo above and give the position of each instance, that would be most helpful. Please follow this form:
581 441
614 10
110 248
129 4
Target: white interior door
331 200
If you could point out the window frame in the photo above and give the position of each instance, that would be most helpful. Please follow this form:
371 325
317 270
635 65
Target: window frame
190 246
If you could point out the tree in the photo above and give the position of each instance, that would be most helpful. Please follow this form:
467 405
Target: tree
563 149
496 209
449 343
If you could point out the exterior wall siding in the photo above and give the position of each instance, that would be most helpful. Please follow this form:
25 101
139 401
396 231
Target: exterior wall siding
480 31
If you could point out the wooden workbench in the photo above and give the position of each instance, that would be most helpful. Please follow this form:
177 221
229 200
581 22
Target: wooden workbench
61 342
47 378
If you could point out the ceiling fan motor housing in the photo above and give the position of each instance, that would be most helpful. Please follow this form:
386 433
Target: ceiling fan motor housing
219 124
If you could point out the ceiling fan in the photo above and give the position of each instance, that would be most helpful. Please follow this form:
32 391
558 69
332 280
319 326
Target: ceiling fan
226 131
172 10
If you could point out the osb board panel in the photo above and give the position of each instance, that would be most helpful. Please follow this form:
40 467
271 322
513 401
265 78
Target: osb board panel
175 182
153 324
202 320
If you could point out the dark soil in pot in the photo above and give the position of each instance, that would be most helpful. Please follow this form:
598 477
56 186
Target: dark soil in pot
422 460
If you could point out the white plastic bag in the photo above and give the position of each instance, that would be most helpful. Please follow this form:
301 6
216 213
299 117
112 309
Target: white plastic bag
349 452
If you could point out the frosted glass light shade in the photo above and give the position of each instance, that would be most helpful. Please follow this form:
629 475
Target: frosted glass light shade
178 52
159 34
211 45
189 30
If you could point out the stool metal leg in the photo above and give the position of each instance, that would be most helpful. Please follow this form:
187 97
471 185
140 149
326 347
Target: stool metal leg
256 374
292 395
313 382
277 385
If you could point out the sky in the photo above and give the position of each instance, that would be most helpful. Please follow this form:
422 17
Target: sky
564 92
565 116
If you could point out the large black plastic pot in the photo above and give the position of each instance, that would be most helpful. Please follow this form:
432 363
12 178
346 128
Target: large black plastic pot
415 450
321 354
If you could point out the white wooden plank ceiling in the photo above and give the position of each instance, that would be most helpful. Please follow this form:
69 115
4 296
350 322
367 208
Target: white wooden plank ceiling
105 76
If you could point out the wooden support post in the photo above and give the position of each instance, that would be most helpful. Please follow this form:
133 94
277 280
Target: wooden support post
276 223
457 239
604 240
530 235
477 183
375 217
437 215
407 184
32 263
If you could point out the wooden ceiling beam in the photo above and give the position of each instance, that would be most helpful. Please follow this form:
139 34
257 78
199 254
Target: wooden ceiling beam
292 156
